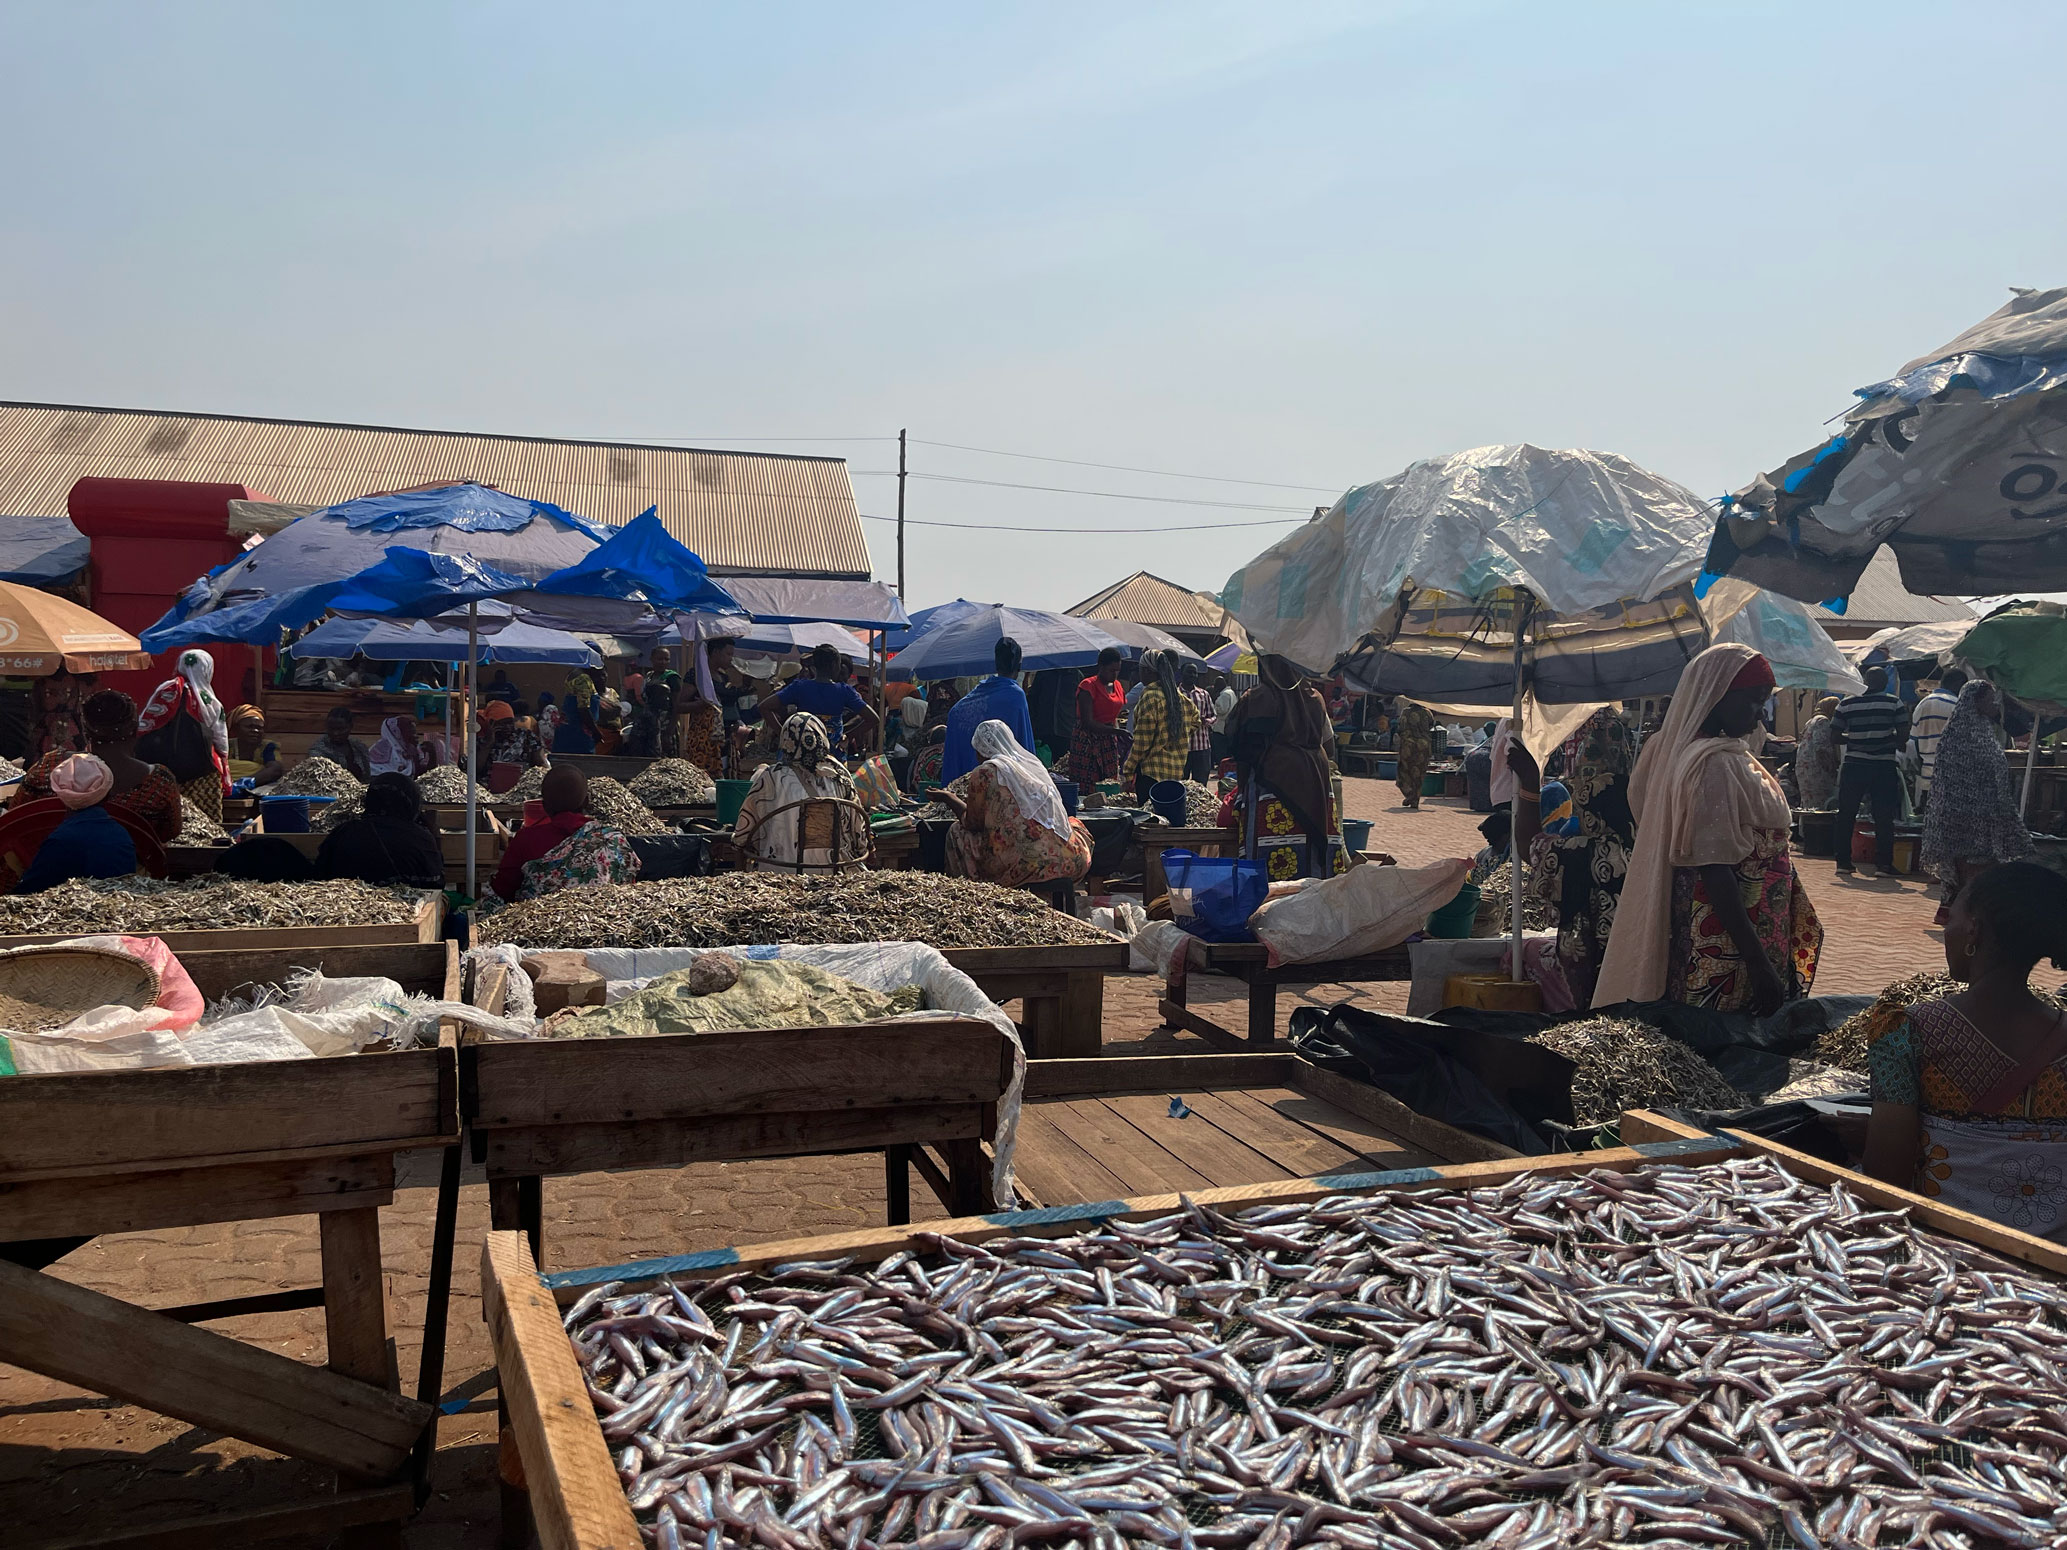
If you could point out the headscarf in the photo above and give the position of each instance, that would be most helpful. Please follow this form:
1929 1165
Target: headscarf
81 781
706 688
1974 814
115 717
1558 816
242 716
580 689
192 692
498 710
392 753
1697 802
805 743
1164 665
1032 787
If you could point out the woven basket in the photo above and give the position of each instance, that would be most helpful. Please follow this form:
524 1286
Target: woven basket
46 987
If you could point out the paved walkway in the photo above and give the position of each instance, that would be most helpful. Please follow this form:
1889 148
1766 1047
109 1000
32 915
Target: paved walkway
72 1463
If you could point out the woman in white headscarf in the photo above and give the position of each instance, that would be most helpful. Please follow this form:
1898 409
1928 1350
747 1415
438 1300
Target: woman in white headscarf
200 763
1011 827
1711 912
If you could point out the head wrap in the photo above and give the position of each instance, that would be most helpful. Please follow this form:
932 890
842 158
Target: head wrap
1679 823
1755 674
804 742
1032 787
109 716
393 754
191 693
498 710
247 716
1558 816
81 781
1827 705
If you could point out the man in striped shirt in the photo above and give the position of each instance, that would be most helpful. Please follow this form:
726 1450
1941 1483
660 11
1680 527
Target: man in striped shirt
1927 724
1870 729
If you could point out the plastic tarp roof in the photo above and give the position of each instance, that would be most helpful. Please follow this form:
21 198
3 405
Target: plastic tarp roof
34 550
801 600
960 644
1912 643
1580 530
1785 633
1956 463
643 562
386 640
2023 652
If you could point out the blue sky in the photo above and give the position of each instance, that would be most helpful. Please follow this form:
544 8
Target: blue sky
1305 243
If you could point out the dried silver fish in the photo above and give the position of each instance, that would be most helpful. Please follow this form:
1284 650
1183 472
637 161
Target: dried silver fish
673 783
1627 1065
317 776
210 902
735 909
448 783
196 827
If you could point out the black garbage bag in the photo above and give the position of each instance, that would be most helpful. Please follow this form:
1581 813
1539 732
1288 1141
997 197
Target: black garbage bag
1821 1127
1498 1087
671 855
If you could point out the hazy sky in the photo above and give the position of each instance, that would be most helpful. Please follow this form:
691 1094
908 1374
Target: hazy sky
1293 242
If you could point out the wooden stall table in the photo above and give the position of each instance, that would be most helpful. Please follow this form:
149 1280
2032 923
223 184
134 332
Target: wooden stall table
574 1492
426 925
897 850
1146 1124
1249 962
304 714
1061 988
922 1092
87 1153
1155 839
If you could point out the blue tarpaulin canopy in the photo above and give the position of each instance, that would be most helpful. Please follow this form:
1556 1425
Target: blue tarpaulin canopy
424 640
958 642
36 550
642 562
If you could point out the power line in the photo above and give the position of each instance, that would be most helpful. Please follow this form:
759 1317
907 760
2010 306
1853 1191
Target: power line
1129 468
1115 495
995 527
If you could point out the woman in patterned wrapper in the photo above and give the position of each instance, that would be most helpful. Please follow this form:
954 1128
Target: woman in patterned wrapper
1970 1090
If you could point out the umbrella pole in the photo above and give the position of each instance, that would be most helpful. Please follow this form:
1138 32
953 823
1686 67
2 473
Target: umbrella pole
2030 762
1522 603
473 794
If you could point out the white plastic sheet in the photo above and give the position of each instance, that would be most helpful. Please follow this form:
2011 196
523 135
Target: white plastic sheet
1365 910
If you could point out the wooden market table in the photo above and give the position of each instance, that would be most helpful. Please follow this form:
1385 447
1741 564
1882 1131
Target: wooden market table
1249 962
427 924
1155 839
87 1153
1146 1124
1061 989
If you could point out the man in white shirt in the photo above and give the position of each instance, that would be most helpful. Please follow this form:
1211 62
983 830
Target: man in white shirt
1927 724
1223 715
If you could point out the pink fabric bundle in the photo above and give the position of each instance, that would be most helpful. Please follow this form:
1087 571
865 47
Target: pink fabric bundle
81 781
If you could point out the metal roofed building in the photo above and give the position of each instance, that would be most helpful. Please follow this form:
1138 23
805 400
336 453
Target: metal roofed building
774 514
1880 600
1195 618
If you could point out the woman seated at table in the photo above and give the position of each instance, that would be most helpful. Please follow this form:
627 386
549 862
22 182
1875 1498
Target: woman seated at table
804 770
391 841
1010 826
90 841
1970 1090
253 756
144 791
403 750
568 849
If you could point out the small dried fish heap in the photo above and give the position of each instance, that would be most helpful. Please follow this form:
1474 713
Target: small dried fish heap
529 787
611 802
317 776
143 906
1685 1356
1201 806
673 783
448 783
1626 1065
1495 915
1847 1043
743 909
196 827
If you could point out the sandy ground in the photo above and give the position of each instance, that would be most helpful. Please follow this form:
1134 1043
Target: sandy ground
73 1463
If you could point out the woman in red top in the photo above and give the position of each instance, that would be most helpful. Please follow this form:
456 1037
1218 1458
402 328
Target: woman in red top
1096 747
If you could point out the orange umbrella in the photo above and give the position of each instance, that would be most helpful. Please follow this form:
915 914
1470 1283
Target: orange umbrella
41 632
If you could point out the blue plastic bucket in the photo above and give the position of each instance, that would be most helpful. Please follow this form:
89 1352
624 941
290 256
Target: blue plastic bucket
1067 789
1356 833
1167 798
285 815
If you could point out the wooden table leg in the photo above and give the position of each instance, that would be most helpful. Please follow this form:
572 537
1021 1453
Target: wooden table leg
968 1177
1041 1027
430 1368
518 1205
1083 1013
897 1184
1263 1011
355 1322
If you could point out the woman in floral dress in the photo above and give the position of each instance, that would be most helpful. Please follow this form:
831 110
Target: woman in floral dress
1011 827
1711 912
1970 1091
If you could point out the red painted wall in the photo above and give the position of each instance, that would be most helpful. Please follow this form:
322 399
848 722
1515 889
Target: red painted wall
151 538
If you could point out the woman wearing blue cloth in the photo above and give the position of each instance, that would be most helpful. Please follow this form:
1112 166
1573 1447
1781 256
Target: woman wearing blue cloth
997 698
90 841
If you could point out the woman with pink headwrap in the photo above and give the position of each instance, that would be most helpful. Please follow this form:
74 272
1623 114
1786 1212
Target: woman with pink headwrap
90 841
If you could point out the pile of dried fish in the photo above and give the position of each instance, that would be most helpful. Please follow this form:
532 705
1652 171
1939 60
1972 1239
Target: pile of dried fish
673 783
1626 1065
448 783
1847 1043
317 776
611 802
737 909
196 827
1813 1079
1686 1356
529 787
1495 915
9 770
143 906
1201 806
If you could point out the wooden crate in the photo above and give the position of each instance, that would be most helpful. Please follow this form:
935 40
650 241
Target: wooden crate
1062 988
543 1108
1249 962
427 925
573 1489
1105 1129
86 1153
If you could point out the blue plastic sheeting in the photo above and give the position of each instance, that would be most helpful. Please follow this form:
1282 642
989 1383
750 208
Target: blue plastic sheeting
939 613
34 550
803 600
1225 658
643 562
466 508
415 584
959 644
384 640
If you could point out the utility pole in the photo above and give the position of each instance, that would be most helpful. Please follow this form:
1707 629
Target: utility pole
900 516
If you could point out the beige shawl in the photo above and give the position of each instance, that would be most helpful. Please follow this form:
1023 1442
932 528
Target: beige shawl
1697 801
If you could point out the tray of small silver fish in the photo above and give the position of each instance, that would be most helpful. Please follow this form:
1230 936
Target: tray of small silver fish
1686 1354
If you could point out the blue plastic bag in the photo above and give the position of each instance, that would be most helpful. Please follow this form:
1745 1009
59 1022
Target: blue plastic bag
1212 897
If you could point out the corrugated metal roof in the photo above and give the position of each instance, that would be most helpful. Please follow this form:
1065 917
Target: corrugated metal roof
1880 600
1149 599
767 513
